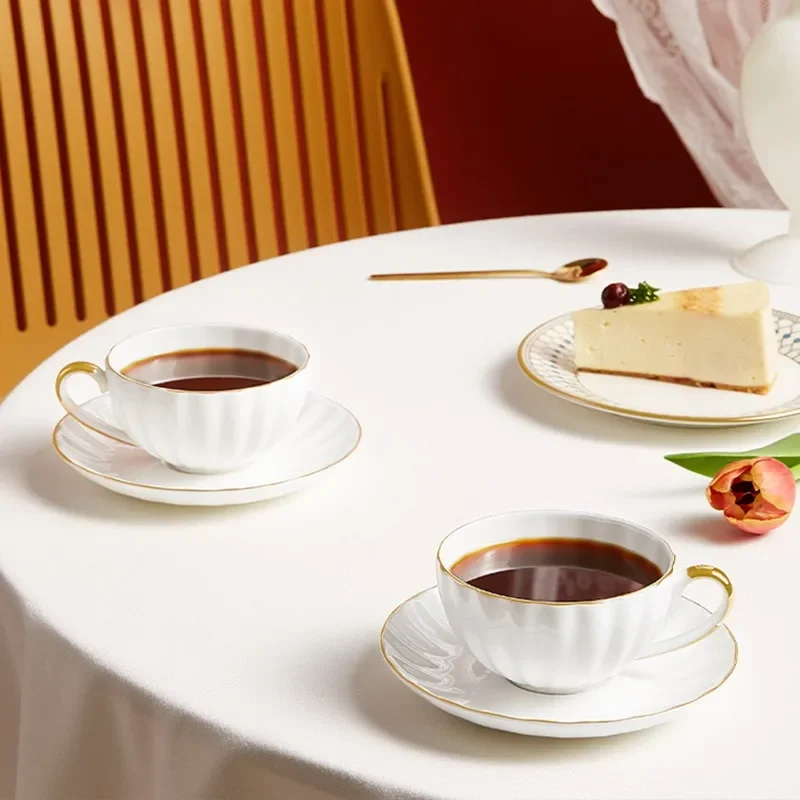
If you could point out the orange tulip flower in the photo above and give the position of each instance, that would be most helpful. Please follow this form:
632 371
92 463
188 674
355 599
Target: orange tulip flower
756 494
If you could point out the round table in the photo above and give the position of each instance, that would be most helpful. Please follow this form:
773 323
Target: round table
159 651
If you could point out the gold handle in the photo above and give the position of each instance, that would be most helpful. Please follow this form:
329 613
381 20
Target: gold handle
84 367
715 573
87 417
478 273
706 626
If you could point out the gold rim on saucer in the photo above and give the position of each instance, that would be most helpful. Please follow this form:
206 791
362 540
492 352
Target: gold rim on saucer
782 412
439 699
152 487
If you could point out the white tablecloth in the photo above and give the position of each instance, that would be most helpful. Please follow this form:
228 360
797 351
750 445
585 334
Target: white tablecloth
152 651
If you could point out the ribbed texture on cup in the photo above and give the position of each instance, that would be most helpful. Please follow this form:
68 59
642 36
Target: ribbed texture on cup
559 648
208 432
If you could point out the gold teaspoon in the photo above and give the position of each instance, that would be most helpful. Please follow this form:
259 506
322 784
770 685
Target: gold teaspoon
572 272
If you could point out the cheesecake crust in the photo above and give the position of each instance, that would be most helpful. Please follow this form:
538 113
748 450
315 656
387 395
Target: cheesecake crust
682 381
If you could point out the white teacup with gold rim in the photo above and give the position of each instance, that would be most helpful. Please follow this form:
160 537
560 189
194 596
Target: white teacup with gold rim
202 398
559 601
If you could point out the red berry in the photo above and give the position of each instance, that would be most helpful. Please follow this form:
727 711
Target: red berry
615 295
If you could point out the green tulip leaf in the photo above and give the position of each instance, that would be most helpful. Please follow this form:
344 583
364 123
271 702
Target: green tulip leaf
785 450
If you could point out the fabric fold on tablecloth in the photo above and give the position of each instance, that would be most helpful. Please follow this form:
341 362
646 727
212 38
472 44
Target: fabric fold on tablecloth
68 728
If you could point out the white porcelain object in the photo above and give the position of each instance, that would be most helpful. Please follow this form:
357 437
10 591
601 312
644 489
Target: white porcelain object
198 432
324 435
770 98
567 647
422 650
547 356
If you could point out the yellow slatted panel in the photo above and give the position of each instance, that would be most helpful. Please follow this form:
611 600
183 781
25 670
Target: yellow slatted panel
192 104
20 172
152 142
108 156
345 117
282 95
80 164
225 138
136 147
256 135
316 124
169 164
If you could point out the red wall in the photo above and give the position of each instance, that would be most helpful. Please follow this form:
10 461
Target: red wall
529 106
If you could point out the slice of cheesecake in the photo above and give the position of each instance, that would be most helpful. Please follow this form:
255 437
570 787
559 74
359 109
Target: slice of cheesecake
719 336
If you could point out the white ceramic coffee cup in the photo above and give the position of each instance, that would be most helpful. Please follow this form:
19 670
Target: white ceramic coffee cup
202 432
565 647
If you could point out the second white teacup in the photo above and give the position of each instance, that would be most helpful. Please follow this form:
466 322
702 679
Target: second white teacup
571 643
209 427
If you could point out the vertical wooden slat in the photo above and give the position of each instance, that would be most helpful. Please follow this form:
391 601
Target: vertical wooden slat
260 173
242 156
19 175
270 131
225 140
316 123
10 321
415 196
44 163
301 131
330 117
79 160
274 31
162 113
336 26
209 130
144 211
110 182
65 266
367 19
81 103
197 146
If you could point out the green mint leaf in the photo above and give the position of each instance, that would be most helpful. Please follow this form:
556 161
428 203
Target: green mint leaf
643 293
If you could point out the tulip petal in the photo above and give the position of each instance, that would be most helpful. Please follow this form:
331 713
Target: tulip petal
756 526
775 482
720 500
763 509
735 512
727 476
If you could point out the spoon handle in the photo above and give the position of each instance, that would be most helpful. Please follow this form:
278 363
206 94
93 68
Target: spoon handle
480 273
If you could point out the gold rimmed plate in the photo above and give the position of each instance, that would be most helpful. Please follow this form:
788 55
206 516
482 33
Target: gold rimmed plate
423 652
325 434
546 355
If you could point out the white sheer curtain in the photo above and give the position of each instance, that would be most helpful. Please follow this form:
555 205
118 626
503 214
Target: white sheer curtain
686 56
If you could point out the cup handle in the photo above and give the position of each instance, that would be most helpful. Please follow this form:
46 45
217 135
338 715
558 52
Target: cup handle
702 630
80 413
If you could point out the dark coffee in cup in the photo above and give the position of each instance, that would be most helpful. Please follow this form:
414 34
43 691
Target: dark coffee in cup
557 570
212 370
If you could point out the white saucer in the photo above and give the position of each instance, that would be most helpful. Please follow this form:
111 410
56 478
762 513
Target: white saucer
546 355
325 435
422 650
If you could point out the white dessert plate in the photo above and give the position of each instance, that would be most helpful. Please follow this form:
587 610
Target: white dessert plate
546 355
325 435
422 650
